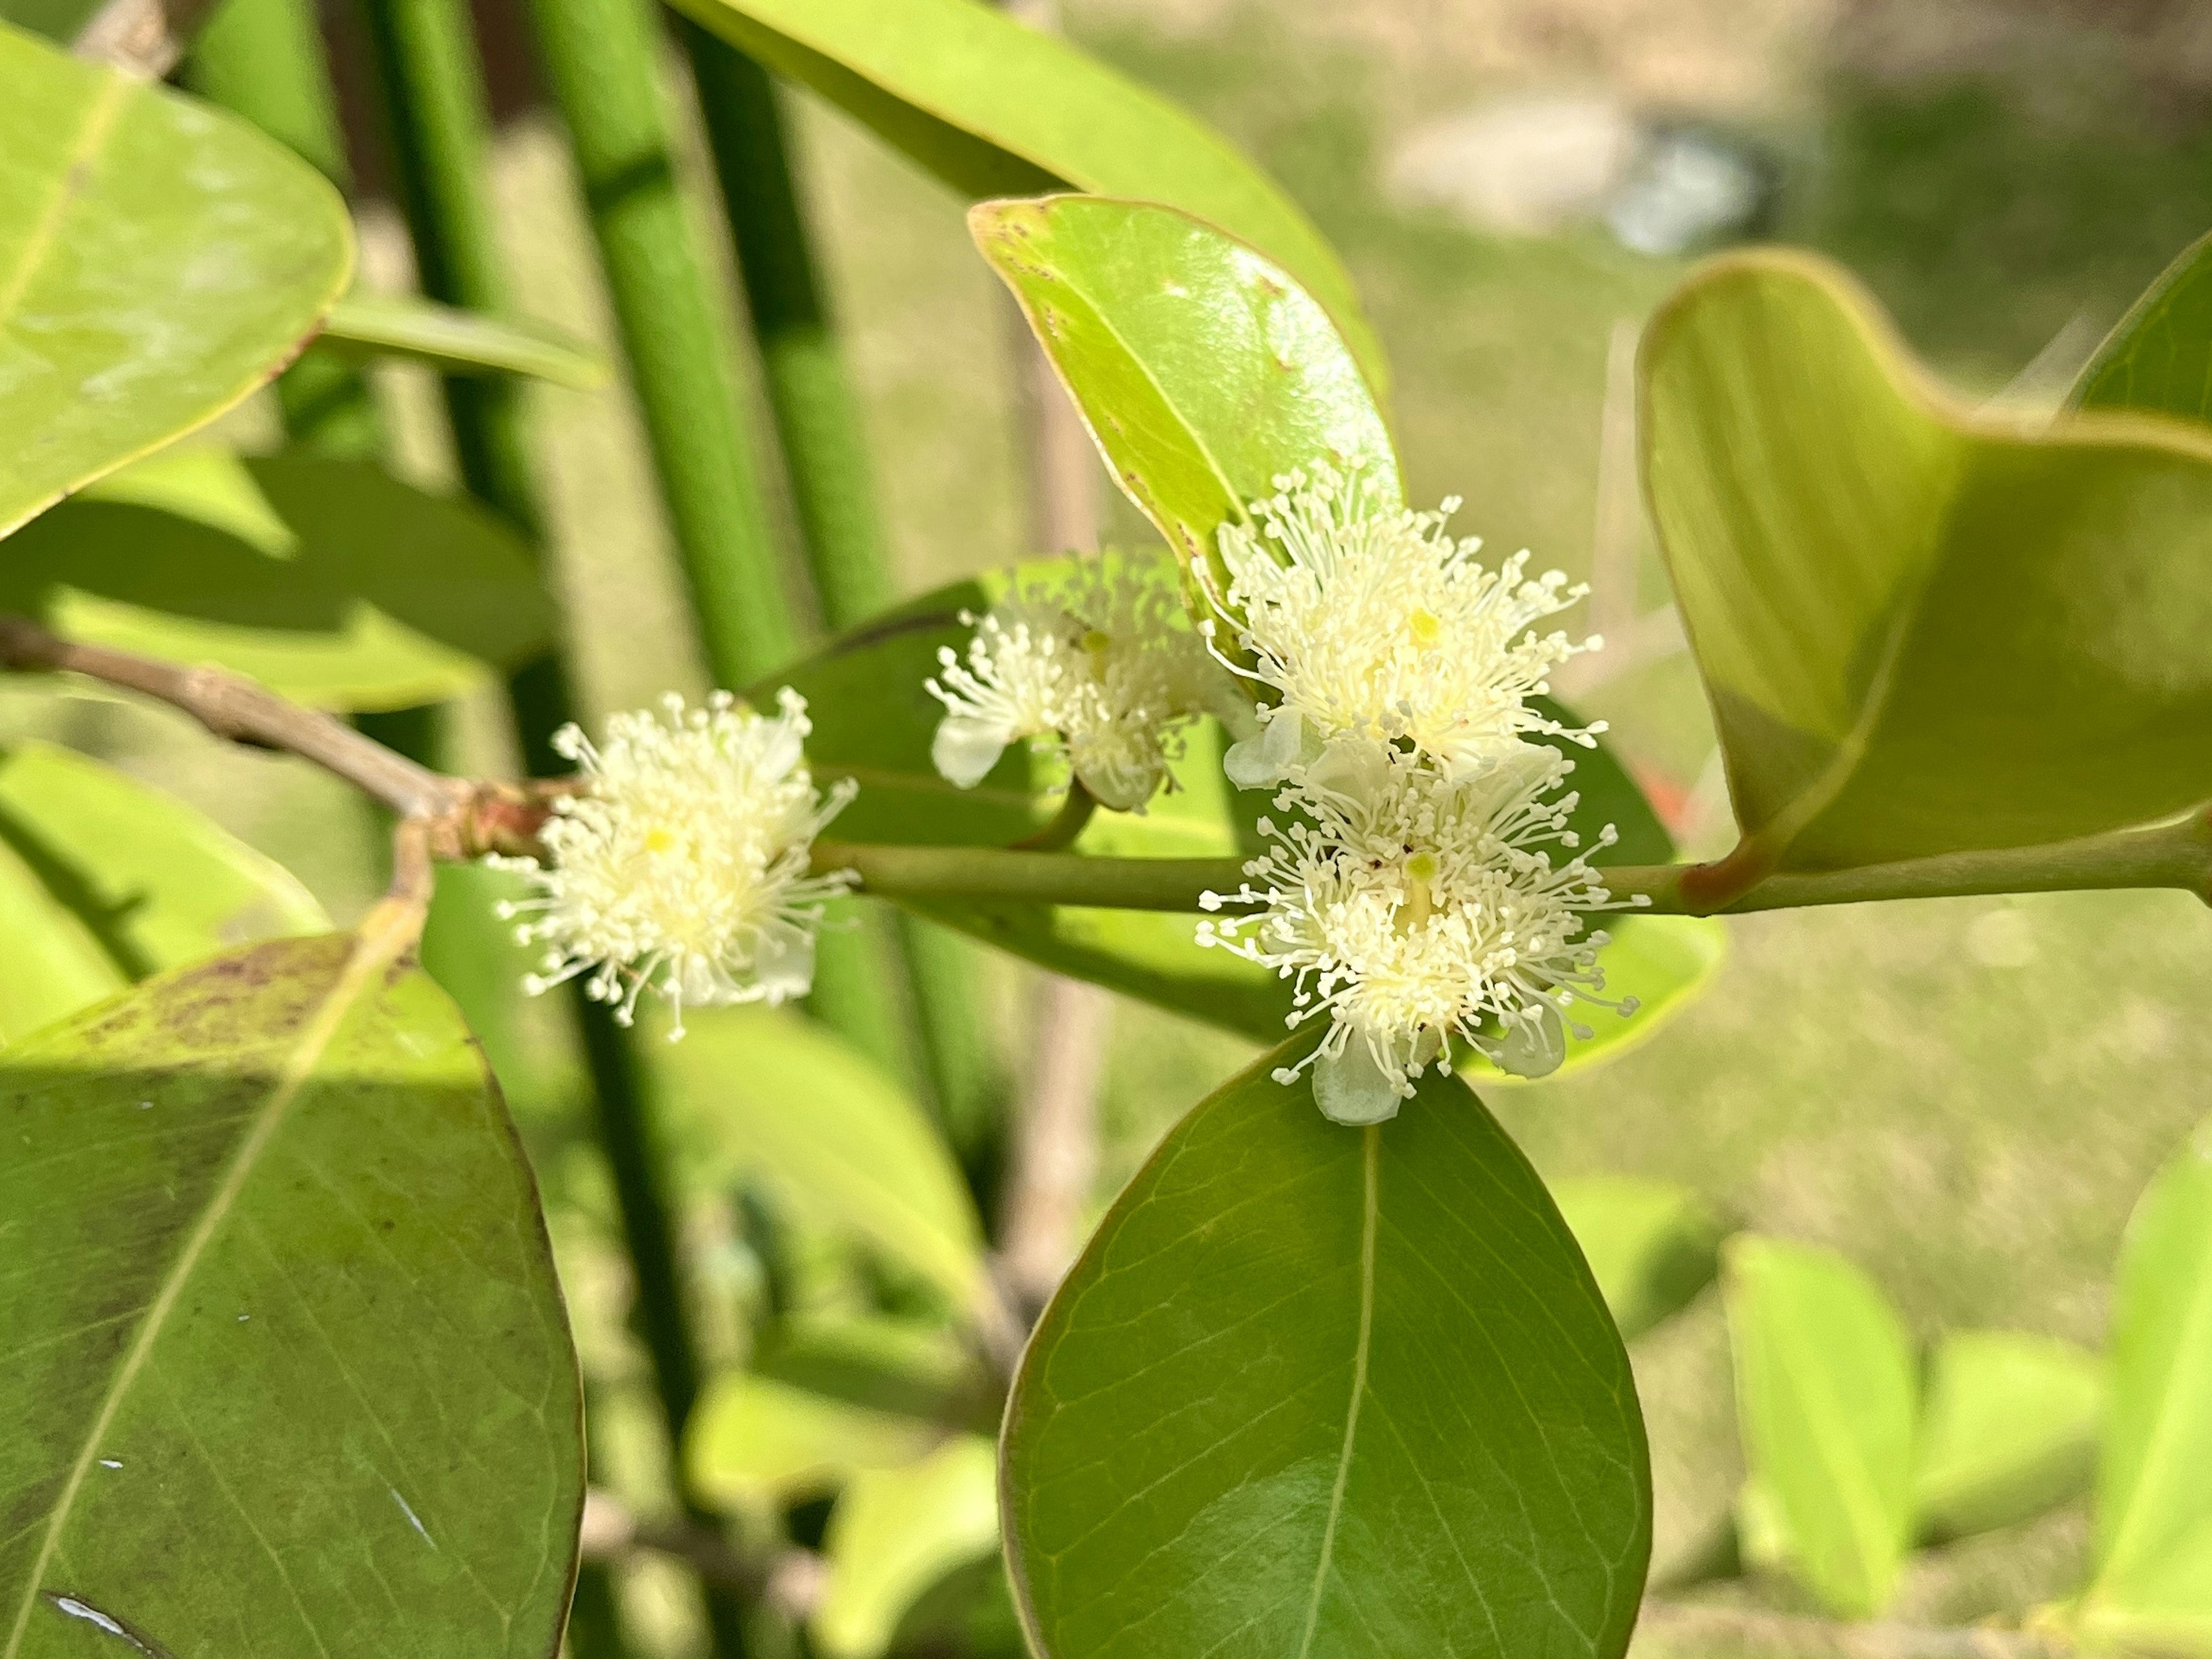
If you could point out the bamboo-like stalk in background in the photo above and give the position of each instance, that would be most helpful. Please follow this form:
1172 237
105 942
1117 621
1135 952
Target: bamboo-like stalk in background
601 61
825 457
427 62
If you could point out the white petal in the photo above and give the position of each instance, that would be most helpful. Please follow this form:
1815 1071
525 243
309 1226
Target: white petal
1256 763
1535 1046
1349 1087
965 748
784 964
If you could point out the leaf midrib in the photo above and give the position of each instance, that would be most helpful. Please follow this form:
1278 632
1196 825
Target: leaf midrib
1370 1150
98 122
383 935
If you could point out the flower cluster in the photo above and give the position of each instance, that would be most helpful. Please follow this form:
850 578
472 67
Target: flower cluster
1100 666
681 866
1413 895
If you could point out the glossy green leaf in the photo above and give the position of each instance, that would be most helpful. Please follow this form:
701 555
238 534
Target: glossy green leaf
1650 1246
328 581
1202 368
1826 1393
134 882
895 1533
1921 630
842 1144
2151 1587
2008 1430
754 1440
159 260
287 1368
2159 357
456 342
1319 1390
995 109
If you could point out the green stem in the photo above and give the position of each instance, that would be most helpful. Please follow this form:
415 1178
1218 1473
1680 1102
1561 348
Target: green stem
2178 854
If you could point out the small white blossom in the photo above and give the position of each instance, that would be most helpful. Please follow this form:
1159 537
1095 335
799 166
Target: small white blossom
1371 620
1104 663
1417 908
682 867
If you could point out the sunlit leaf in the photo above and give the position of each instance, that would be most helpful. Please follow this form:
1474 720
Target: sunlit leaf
2008 1430
1826 1395
1321 1391
1921 630
895 1533
1650 1246
286 1367
457 342
2151 1586
754 1440
134 882
328 581
159 260
994 108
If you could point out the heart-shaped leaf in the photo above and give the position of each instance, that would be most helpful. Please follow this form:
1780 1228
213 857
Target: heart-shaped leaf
286 1367
1318 1390
1922 631
996 108
159 260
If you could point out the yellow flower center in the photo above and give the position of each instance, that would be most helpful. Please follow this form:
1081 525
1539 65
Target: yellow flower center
659 839
1425 629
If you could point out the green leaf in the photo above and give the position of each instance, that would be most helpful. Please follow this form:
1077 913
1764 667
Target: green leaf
840 1142
455 342
1319 1390
2008 1431
134 882
328 581
2152 1584
885 1364
287 1369
1651 1247
1202 368
1826 1395
159 261
754 1441
894 1535
1922 631
995 109
2158 359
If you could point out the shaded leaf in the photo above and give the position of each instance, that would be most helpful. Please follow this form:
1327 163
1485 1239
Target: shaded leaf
1826 1396
839 1141
287 1369
2158 359
885 1364
159 260
896 1533
995 109
1922 631
136 882
328 581
456 342
755 1440
2008 1430
1650 1246
2151 1586
1201 367
1319 1390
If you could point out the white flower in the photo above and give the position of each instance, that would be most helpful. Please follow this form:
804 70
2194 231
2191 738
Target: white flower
1418 909
1104 662
1381 624
682 867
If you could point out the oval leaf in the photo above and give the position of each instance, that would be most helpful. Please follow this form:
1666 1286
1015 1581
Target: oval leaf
159 261
995 109
457 342
285 1344
2158 359
327 581
1201 367
894 1535
1318 1390
2009 1430
1921 632
2152 1586
137 882
1651 1247
1826 1393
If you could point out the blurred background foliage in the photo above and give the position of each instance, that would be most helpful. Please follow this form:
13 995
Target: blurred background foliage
1964 1097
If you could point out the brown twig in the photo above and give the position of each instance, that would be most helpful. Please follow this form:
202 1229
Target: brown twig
1696 1628
142 37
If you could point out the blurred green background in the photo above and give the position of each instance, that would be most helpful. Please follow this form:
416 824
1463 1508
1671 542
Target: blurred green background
1965 1096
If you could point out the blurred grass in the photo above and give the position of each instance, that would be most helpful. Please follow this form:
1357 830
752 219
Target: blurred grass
1965 1097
